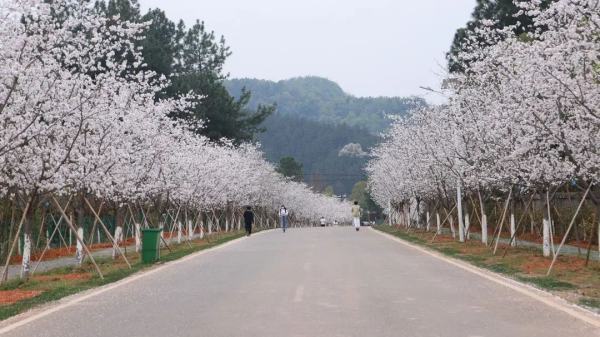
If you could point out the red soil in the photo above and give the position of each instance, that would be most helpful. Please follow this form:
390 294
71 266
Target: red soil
557 240
539 264
55 253
13 296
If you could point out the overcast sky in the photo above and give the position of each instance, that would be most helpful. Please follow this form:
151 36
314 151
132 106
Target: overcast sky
370 47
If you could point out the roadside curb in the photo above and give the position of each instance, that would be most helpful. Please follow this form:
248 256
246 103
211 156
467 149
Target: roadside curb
36 313
525 289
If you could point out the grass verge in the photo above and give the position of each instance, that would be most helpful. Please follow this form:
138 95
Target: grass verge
590 302
63 282
570 278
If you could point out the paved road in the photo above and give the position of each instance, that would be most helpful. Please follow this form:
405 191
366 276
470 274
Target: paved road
310 282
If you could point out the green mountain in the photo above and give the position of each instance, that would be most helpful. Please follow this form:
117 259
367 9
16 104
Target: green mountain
322 100
317 146
327 130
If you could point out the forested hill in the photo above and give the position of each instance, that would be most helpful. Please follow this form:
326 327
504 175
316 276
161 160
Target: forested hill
314 120
317 146
322 100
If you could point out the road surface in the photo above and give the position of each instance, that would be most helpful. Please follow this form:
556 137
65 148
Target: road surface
309 282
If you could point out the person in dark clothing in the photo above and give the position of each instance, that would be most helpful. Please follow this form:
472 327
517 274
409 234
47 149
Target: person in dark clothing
248 220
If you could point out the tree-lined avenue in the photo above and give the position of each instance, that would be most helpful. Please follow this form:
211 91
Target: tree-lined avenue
309 282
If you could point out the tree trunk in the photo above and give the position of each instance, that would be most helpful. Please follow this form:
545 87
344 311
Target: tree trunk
390 213
484 223
209 224
26 261
118 239
531 220
467 227
161 226
546 237
26 249
513 242
179 229
138 238
79 249
418 215
79 214
550 222
484 229
438 223
461 224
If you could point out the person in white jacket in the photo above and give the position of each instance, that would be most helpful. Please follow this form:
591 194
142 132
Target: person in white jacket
283 217
356 213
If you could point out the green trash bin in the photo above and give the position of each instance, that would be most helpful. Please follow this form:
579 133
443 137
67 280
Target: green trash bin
150 245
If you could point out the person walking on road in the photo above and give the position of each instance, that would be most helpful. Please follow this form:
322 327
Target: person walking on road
356 215
283 217
248 220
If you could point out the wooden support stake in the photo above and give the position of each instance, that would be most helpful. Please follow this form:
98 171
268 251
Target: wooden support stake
57 225
568 229
106 231
519 224
502 221
74 230
91 240
474 208
443 222
62 238
16 239
550 223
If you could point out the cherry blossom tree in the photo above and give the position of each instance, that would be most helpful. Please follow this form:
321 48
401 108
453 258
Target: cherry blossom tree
521 119
83 126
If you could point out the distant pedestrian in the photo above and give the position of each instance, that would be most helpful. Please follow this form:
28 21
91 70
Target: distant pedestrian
323 221
283 217
248 220
356 215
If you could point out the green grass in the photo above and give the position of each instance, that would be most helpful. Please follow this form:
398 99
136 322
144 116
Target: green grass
501 268
12 284
401 234
590 302
547 282
477 260
55 290
450 251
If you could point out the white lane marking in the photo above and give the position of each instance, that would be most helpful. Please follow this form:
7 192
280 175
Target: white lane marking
299 294
77 298
537 294
307 266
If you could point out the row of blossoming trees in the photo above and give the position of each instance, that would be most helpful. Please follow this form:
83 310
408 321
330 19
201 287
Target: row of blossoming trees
85 135
520 129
